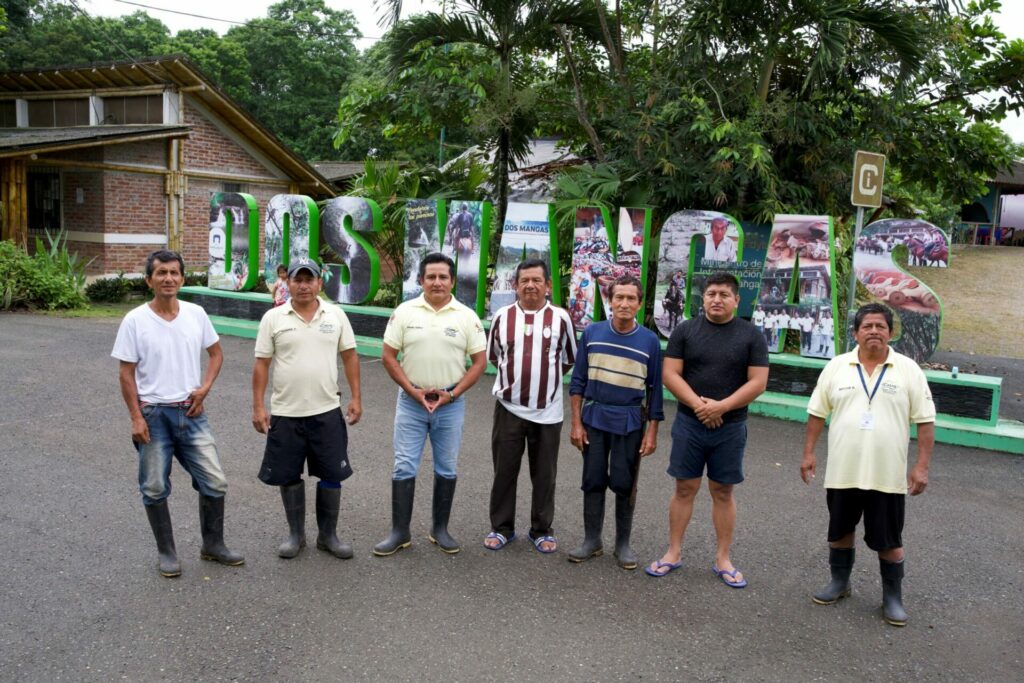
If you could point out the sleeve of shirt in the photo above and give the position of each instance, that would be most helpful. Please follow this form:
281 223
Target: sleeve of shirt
210 336
124 345
655 410
393 332
347 338
758 350
676 343
922 407
820 405
476 340
264 338
492 339
568 340
578 384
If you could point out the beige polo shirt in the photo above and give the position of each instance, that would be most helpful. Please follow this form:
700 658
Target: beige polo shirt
871 459
433 345
305 357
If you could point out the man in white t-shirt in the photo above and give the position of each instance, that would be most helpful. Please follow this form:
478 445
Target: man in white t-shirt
159 345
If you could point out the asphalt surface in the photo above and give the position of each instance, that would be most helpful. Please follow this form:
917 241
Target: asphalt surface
80 597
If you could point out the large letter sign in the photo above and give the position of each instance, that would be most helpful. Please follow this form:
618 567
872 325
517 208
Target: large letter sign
917 307
343 224
798 293
467 239
528 233
422 236
292 232
234 230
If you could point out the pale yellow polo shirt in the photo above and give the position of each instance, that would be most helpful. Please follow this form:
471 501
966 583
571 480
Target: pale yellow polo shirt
433 345
873 459
305 357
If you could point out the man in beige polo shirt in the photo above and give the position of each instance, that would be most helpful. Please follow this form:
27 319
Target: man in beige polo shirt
873 394
434 334
303 338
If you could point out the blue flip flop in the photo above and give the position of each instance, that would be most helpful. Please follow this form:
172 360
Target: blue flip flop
544 539
502 541
722 573
672 566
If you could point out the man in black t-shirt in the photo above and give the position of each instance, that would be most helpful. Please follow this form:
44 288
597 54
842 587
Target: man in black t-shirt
715 365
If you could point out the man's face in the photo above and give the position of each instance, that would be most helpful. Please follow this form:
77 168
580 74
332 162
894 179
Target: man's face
532 288
304 287
437 283
718 231
720 303
625 303
166 279
874 333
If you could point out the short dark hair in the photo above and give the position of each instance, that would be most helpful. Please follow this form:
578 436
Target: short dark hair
626 280
720 220
437 257
721 277
534 263
868 309
163 256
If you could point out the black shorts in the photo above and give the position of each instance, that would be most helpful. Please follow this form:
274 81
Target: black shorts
883 516
319 440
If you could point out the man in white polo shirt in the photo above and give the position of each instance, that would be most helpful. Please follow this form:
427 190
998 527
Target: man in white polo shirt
717 246
303 338
531 344
435 334
873 394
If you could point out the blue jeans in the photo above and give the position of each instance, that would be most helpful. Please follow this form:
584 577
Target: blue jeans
190 440
413 424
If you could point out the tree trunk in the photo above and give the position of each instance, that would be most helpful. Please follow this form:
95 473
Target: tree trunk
581 103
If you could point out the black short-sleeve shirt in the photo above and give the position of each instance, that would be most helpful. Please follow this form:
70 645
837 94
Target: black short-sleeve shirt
716 358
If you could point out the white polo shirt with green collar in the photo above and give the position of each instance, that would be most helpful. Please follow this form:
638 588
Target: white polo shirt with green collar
305 357
868 440
434 345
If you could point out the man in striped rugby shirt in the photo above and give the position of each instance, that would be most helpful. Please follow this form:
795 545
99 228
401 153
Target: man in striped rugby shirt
531 344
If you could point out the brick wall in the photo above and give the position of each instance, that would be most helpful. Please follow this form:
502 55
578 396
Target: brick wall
207 149
148 153
87 216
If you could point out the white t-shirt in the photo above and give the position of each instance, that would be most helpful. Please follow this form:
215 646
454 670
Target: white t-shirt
166 353
806 323
758 318
725 251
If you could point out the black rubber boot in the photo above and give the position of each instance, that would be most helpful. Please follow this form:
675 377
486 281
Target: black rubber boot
211 522
840 560
328 502
444 494
623 528
892 592
294 499
593 521
403 491
160 521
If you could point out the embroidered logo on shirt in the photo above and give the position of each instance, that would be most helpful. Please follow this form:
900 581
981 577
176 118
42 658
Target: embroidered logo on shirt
450 331
327 327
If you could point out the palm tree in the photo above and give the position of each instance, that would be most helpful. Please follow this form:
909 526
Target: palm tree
509 30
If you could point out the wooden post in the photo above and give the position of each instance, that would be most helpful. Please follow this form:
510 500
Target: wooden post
14 201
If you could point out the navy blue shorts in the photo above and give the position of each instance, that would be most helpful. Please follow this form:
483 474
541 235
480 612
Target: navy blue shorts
695 447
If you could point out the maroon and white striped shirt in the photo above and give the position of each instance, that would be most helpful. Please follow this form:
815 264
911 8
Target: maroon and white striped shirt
529 349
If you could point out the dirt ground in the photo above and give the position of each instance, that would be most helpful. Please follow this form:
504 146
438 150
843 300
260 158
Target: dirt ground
980 294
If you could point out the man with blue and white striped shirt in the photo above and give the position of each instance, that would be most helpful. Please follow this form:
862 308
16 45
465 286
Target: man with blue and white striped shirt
617 367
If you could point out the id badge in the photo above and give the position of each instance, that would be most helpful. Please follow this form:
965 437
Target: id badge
867 421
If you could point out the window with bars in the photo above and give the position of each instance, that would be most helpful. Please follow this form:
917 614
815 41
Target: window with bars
53 113
8 114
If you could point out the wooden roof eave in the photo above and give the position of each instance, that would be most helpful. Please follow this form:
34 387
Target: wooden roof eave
82 144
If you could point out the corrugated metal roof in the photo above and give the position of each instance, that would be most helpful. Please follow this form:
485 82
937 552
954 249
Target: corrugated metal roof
16 141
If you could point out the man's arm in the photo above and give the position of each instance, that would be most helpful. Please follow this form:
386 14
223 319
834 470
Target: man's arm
577 433
809 466
260 376
918 479
130 393
389 357
350 363
672 378
212 370
650 440
757 382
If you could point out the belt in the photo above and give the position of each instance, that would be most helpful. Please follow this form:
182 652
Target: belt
187 403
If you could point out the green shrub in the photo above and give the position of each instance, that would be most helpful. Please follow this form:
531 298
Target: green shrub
51 279
111 290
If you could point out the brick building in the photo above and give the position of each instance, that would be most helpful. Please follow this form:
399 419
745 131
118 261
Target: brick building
125 157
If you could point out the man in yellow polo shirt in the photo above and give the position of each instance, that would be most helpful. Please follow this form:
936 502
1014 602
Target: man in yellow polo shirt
434 334
873 394
303 338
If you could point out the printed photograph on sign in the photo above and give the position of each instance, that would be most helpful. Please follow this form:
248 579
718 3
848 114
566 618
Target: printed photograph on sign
926 244
291 227
463 242
350 271
590 260
234 213
527 234
421 238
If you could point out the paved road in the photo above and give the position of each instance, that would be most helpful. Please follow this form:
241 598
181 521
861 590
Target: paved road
80 598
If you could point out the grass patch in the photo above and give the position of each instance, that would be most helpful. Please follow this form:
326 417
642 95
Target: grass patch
980 294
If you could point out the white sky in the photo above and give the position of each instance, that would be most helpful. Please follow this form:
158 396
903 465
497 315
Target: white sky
1010 21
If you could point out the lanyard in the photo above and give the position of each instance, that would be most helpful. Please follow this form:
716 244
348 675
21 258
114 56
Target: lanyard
864 384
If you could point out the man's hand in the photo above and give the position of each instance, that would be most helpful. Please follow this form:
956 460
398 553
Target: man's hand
578 435
354 412
140 430
261 419
917 481
710 412
649 443
808 467
197 397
